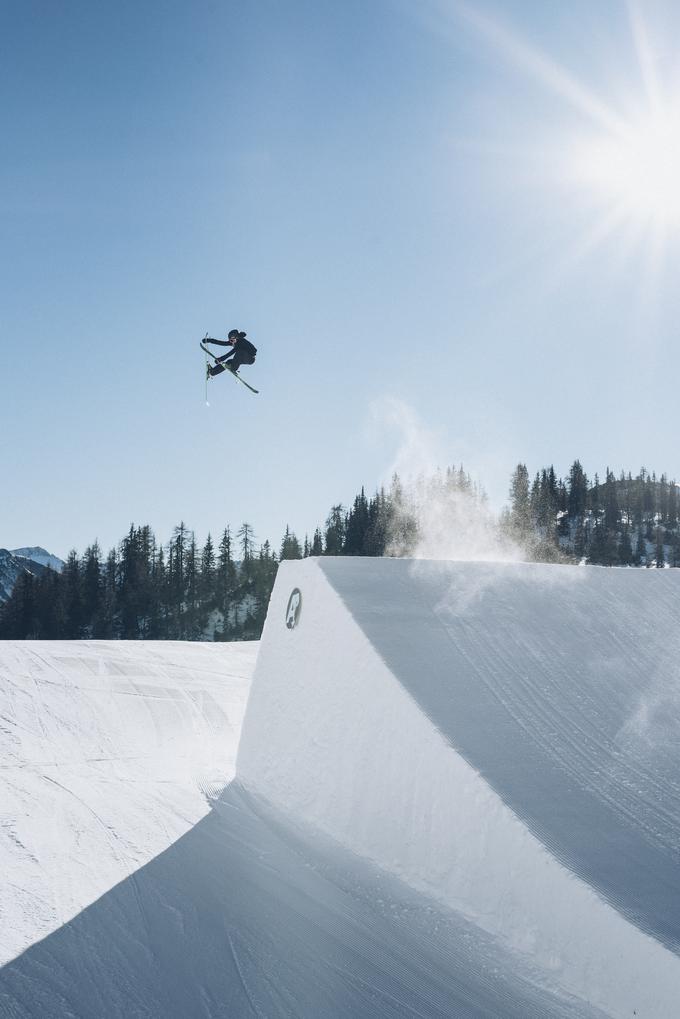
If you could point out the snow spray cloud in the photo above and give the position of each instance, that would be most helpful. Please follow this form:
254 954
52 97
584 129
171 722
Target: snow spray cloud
435 514
651 729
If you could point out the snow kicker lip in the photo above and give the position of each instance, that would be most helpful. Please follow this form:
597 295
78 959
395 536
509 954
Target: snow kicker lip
534 695
460 726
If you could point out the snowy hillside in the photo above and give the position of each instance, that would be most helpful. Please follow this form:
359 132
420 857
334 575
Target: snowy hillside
110 752
456 794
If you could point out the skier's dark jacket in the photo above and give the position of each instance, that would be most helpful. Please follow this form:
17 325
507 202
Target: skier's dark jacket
242 346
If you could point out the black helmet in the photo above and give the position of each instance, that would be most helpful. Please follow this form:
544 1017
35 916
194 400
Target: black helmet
234 334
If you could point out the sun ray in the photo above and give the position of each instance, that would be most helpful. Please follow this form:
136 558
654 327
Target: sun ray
532 61
629 159
645 55
603 228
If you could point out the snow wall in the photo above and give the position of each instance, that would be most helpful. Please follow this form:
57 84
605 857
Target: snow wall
503 738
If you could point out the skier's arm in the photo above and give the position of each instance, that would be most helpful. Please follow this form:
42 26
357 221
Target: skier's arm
220 343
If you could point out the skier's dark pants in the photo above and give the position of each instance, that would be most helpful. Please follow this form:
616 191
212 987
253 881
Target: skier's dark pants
242 357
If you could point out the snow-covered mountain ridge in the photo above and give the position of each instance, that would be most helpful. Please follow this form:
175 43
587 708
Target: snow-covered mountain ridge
11 568
14 562
40 555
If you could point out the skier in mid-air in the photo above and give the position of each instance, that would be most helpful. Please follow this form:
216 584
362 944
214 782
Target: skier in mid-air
243 353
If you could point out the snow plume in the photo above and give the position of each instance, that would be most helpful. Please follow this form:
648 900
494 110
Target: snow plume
446 516
651 729
435 513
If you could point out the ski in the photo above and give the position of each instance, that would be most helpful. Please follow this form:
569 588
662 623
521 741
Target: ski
230 370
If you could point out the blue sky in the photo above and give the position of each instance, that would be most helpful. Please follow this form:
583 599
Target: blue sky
378 193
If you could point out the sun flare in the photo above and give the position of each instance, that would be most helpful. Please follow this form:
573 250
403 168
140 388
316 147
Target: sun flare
623 164
636 170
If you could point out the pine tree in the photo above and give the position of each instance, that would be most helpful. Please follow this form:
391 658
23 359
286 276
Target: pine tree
535 502
580 542
356 528
176 579
207 576
226 581
48 621
594 499
73 597
598 552
335 531
520 509
577 486
317 543
625 550
672 517
562 503
19 614
135 589
377 534
640 548
105 623
290 546
662 499
612 514
402 518
659 554
92 588
247 538
265 575
247 595
192 623
157 600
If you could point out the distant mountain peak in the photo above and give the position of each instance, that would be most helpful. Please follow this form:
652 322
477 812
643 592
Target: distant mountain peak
40 555
14 562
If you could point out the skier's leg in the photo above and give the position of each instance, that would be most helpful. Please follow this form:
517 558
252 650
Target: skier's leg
216 370
239 359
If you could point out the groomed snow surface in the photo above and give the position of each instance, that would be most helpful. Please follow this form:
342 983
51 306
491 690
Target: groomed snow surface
455 792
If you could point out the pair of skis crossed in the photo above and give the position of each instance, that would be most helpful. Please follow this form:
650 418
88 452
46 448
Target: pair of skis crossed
226 366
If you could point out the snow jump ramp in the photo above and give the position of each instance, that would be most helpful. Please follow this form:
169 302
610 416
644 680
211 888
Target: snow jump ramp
501 738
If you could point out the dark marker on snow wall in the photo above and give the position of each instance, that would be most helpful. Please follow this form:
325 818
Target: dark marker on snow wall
294 608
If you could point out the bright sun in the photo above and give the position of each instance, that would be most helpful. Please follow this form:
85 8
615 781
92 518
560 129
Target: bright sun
636 168
625 159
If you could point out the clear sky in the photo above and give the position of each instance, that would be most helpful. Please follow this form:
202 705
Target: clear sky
451 231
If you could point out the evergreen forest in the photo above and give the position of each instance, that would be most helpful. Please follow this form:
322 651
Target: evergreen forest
179 590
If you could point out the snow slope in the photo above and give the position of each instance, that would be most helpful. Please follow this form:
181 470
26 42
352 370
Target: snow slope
456 794
110 751
501 737
233 911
